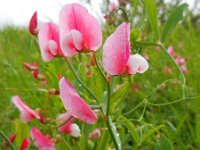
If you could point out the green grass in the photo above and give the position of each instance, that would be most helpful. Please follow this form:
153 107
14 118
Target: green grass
181 119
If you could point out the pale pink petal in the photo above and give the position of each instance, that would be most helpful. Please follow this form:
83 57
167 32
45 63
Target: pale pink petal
137 64
112 6
64 117
116 50
72 42
25 144
27 114
74 104
180 60
33 24
184 69
49 41
171 51
41 141
76 17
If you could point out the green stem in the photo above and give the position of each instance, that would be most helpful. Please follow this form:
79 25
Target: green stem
181 72
108 119
7 139
79 79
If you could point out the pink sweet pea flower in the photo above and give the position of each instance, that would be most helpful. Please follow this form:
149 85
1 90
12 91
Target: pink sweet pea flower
73 103
79 30
25 144
42 142
180 60
33 24
69 127
27 114
116 54
171 51
48 37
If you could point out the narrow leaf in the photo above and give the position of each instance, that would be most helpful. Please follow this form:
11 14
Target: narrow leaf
151 13
131 129
150 133
174 18
165 144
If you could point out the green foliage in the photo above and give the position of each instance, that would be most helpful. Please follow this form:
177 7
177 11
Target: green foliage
174 18
151 13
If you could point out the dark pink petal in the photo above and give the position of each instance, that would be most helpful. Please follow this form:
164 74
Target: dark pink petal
25 144
76 17
70 128
49 41
74 104
116 50
33 24
41 141
27 114
137 64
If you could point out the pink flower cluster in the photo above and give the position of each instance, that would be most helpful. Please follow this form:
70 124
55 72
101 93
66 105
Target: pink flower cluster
78 32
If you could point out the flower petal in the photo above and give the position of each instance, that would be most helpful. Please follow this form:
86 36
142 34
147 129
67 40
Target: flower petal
75 16
25 144
72 42
116 50
137 64
27 114
33 24
74 104
49 41
41 141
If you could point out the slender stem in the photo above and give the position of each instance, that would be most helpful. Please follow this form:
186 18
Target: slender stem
146 43
181 72
79 79
108 119
7 139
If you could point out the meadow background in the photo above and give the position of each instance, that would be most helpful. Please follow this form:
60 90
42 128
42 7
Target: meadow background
181 119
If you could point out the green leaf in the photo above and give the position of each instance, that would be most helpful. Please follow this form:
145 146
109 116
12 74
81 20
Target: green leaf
165 144
131 129
103 141
174 18
150 133
116 134
120 93
151 13
22 131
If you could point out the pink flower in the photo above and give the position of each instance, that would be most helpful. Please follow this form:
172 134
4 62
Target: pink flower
112 6
69 127
42 142
116 54
171 51
49 41
180 60
33 24
25 144
184 69
96 134
27 114
73 103
79 30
